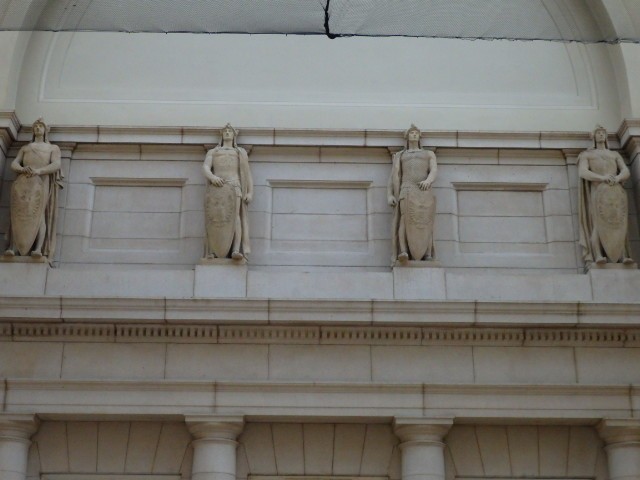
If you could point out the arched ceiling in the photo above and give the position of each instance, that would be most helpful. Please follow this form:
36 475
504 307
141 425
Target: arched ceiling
559 20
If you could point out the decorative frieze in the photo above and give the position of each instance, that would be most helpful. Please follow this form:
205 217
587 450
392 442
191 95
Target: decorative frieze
316 335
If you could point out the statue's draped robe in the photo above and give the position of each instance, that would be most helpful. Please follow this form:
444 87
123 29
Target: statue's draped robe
395 184
586 223
243 175
54 181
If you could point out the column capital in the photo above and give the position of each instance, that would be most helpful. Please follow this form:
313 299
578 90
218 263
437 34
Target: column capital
418 429
619 430
19 427
225 427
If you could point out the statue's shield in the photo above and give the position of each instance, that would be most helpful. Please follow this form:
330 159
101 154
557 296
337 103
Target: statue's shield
28 201
220 216
421 210
611 210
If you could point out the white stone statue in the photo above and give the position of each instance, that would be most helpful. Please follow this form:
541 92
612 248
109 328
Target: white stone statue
229 191
409 191
603 204
34 197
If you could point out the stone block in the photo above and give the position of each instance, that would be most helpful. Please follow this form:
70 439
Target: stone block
30 360
502 229
423 364
172 445
217 362
615 285
141 450
584 447
120 283
318 443
378 447
524 365
348 443
557 202
465 452
315 363
23 279
523 450
285 285
494 450
554 445
83 446
318 227
420 283
112 446
113 361
220 281
53 447
257 439
608 366
289 448
500 203
544 287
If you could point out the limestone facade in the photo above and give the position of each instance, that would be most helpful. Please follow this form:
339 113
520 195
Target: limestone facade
130 360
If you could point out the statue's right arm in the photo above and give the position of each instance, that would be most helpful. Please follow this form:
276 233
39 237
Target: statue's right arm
16 165
207 167
585 173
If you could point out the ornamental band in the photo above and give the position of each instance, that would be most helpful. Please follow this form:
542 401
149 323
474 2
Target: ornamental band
409 191
34 197
229 191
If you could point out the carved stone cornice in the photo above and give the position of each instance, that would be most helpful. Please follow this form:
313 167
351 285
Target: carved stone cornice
320 335
393 139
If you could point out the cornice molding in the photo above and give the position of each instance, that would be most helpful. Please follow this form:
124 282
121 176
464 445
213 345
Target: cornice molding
264 400
374 314
393 139
321 335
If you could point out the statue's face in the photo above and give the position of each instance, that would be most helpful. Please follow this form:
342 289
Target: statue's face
600 135
413 135
228 133
38 129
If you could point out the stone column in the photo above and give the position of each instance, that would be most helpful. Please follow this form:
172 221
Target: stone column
422 447
622 439
214 446
15 434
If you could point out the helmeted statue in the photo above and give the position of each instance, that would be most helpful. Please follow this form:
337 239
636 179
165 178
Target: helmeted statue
409 191
229 191
603 204
34 197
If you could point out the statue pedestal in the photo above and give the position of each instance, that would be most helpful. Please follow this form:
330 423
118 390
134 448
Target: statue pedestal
417 264
221 278
612 266
415 280
23 277
20 259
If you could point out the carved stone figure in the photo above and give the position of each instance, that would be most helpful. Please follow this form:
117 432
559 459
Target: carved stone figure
603 205
229 191
34 197
409 191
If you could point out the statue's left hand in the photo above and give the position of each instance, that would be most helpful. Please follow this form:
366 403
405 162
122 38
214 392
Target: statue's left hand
425 185
247 198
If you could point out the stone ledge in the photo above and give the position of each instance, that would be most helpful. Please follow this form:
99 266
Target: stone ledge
557 404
